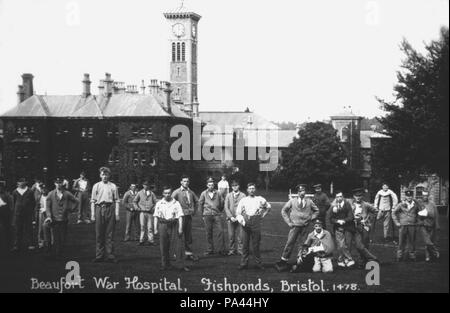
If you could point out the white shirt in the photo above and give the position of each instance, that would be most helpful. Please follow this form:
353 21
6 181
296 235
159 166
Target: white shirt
223 184
83 184
2 203
22 190
43 204
168 210
252 206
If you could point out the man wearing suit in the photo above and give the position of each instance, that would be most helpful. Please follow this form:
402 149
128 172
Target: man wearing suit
5 219
23 210
189 203
297 213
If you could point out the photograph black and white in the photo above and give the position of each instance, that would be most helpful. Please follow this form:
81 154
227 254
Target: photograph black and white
238 148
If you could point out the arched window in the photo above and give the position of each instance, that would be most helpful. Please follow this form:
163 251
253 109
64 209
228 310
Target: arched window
174 52
178 52
183 52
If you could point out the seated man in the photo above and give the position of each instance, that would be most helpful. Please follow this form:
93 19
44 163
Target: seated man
320 246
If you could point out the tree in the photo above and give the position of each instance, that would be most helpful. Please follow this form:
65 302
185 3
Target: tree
317 156
418 119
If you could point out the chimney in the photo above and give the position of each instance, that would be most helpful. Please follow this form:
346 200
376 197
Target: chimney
20 94
167 90
86 86
27 83
143 87
108 85
153 87
101 87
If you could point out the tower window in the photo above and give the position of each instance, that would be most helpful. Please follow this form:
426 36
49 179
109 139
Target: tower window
178 51
174 52
183 52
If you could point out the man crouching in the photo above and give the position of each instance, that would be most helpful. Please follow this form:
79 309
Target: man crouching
318 245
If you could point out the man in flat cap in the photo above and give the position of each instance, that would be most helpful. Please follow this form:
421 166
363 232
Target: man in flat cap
211 206
145 202
297 213
405 217
105 204
23 203
363 214
322 202
59 203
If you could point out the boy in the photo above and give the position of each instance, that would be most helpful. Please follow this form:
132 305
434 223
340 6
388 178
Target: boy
429 226
81 187
211 208
234 228
340 218
144 202
250 212
58 205
189 203
132 216
405 217
297 213
169 224
320 243
385 201
105 205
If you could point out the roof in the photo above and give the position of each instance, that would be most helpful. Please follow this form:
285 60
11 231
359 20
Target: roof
345 114
129 105
229 121
182 12
366 136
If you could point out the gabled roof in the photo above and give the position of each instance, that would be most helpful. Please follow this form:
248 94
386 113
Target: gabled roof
236 120
126 105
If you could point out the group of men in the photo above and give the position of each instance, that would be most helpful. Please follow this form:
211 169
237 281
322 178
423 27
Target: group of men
325 228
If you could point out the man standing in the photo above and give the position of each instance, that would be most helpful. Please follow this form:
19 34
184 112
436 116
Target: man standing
5 219
144 202
363 214
81 187
429 226
223 186
59 203
250 212
132 216
405 217
297 214
340 218
44 231
189 203
211 208
322 202
169 224
234 228
385 201
23 211
105 205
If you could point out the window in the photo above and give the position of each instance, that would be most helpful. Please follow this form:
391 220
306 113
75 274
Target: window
83 132
90 133
183 52
135 132
135 158
178 71
174 52
178 91
149 132
178 52
143 159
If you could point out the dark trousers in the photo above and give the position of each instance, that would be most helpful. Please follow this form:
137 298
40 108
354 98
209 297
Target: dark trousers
187 231
5 232
170 243
212 221
59 230
294 233
105 222
84 206
429 235
251 233
23 230
132 226
407 241
361 242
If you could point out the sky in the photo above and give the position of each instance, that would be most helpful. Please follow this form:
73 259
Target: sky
287 60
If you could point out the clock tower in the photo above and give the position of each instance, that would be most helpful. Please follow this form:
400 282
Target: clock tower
183 39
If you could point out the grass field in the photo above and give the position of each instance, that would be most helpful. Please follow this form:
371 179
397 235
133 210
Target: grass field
16 272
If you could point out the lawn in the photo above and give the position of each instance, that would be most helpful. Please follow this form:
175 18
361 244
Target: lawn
17 272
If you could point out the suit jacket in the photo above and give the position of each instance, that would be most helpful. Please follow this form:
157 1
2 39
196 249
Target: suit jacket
231 203
365 218
128 199
210 206
59 209
190 205
404 216
322 202
345 213
23 204
293 212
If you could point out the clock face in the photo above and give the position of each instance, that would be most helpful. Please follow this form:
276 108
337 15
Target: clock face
178 30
